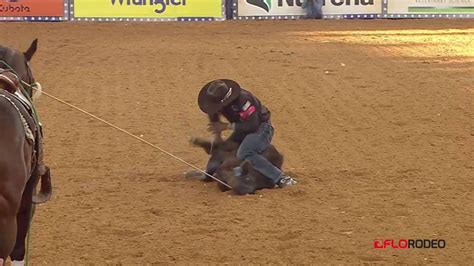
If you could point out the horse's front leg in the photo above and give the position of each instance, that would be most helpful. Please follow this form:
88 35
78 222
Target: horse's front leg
24 217
7 228
11 186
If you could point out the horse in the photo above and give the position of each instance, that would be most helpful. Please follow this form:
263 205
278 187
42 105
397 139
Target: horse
21 155
225 152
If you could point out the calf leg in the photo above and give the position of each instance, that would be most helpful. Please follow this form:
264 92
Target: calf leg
203 143
211 167
275 157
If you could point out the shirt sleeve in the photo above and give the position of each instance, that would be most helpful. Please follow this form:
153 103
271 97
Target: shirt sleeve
249 116
244 114
251 124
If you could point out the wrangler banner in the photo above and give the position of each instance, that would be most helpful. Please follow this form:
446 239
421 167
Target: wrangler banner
33 10
421 8
147 9
293 8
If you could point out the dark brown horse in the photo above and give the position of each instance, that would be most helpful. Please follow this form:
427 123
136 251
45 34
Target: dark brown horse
224 151
21 163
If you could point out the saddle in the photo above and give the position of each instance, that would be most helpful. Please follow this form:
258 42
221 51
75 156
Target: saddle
11 83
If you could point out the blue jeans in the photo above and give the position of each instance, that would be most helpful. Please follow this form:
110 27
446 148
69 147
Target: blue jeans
252 148
229 9
314 8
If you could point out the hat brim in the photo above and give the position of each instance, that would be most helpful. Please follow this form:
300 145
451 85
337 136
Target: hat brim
211 107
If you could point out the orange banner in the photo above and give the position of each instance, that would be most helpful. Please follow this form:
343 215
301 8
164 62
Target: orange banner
31 8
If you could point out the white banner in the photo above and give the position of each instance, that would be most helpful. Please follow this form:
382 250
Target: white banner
293 7
430 7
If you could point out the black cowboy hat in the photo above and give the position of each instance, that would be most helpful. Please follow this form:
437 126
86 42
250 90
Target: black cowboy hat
217 94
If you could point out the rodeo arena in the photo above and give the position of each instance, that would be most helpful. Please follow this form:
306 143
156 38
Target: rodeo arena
276 132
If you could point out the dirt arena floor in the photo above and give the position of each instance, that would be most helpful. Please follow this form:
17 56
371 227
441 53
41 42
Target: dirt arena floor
375 119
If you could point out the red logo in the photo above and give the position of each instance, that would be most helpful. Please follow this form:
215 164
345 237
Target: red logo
246 114
409 243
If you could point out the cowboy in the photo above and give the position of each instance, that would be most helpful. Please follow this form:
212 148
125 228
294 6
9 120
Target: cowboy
250 122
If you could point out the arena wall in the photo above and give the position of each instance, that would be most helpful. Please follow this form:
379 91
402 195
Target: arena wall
214 10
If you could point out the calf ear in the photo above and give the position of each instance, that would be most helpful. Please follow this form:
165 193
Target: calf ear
31 51
245 165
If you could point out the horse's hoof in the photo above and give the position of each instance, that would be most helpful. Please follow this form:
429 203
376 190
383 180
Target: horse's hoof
18 263
192 140
41 198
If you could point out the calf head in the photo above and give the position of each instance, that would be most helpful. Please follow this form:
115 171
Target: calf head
244 183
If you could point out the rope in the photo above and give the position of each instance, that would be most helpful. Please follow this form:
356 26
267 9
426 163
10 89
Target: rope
135 137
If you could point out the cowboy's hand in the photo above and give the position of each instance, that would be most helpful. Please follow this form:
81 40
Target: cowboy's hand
217 127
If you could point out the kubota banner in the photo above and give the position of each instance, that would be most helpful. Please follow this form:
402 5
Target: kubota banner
32 8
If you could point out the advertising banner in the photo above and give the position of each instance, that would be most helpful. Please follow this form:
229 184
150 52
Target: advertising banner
429 8
147 9
293 8
47 10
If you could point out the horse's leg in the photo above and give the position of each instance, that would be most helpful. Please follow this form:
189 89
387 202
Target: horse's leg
12 177
7 228
23 223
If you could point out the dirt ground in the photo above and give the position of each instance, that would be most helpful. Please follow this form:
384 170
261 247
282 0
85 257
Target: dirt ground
375 119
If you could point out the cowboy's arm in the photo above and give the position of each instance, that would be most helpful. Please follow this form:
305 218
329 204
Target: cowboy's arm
215 124
213 117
